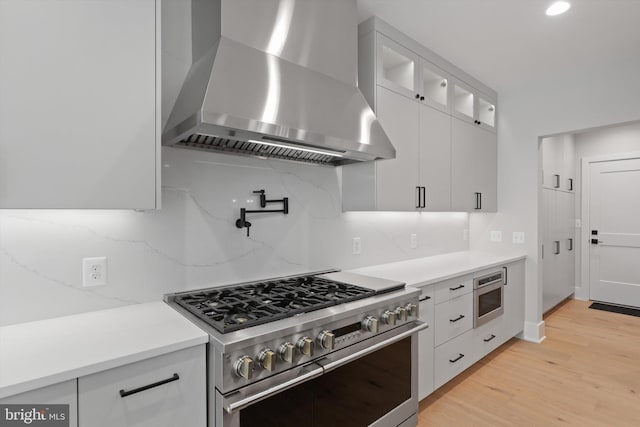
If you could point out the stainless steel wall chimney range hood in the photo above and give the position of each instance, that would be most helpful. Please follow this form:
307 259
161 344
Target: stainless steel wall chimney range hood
276 78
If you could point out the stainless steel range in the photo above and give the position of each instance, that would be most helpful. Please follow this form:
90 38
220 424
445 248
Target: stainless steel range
322 349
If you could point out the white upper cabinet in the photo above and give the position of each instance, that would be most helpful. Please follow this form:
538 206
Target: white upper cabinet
473 106
400 118
474 177
434 86
558 162
398 67
421 100
79 111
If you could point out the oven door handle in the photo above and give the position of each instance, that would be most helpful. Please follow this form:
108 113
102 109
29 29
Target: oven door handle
241 404
350 358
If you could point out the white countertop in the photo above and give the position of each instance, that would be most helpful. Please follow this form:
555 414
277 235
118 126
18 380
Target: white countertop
37 354
425 271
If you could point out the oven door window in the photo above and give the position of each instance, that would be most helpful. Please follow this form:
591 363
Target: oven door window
356 394
489 301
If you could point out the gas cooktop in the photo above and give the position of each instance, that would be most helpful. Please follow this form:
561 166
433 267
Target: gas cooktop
232 308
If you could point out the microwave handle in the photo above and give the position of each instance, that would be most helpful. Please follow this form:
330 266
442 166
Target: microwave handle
506 275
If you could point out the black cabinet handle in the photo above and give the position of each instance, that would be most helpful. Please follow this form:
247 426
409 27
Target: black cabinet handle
557 247
457 358
421 98
124 393
506 275
418 204
424 197
557 178
594 241
570 184
417 96
456 288
427 298
490 338
478 201
457 318
570 244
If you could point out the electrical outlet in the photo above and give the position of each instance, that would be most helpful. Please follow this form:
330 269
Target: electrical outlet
357 246
94 271
496 236
518 237
413 241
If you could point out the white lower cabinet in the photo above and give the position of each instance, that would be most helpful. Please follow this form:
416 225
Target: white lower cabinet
452 357
453 318
452 344
487 338
425 344
168 390
65 393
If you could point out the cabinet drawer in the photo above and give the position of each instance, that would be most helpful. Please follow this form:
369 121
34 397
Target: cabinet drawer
425 344
452 358
453 288
453 318
181 401
487 338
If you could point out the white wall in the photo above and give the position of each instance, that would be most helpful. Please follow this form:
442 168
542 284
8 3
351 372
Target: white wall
609 140
583 99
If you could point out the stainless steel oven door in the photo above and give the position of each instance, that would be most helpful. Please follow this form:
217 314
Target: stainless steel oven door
488 303
371 383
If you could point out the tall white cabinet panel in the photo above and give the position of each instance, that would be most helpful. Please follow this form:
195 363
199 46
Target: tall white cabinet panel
435 159
558 261
65 393
118 397
400 118
473 168
426 343
78 104
513 316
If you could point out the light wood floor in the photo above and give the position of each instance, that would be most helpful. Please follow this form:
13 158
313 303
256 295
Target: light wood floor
586 373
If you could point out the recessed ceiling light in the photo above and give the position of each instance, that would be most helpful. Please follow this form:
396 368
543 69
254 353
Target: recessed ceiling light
558 8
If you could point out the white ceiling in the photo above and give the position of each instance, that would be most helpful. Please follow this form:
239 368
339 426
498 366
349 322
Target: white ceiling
511 43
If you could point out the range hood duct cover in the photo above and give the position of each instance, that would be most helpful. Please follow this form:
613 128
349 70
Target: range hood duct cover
294 98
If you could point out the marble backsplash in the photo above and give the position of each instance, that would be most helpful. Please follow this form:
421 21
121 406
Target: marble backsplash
192 241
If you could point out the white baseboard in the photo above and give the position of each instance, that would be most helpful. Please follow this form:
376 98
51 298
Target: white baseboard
581 294
534 332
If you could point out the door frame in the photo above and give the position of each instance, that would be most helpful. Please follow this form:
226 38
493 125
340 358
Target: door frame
583 289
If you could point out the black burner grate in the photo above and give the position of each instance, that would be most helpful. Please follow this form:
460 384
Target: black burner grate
228 309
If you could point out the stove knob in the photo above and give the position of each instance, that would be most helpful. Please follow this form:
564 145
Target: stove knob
370 324
305 345
244 367
267 359
389 317
401 313
286 351
411 309
326 339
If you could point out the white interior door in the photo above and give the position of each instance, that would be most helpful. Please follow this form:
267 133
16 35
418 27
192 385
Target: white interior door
614 209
